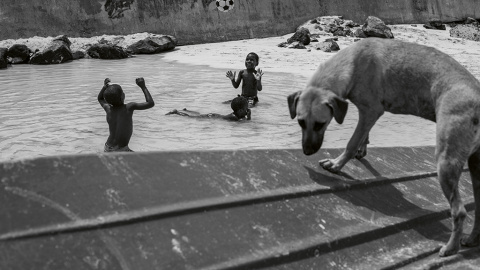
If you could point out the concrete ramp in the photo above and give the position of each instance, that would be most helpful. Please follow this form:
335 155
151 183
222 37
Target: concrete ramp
274 209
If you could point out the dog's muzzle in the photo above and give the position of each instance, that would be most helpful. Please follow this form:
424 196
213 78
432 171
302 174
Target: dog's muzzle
311 146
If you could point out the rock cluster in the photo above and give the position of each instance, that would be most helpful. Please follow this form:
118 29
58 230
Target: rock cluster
59 49
469 29
334 26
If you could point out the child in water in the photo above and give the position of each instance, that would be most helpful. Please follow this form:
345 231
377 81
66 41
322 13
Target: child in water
119 115
239 106
252 79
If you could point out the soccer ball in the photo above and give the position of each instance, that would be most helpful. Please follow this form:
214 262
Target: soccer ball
224 5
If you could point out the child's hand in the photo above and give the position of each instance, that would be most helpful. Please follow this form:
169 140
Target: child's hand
258 75
140 82
106 82
231 75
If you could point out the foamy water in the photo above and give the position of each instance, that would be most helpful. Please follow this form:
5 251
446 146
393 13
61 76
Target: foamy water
53 110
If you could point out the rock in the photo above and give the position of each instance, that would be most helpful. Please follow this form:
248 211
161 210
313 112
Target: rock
374 27
328 45
302 35
153 44
283 45
470 20
296 45
466 31
78 55
359 33
3 58
56 53
435 24
19 53
106 51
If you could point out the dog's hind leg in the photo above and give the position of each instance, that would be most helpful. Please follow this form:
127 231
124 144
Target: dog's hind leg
474 166
452 152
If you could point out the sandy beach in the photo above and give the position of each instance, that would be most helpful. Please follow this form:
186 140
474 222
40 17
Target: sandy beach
230 55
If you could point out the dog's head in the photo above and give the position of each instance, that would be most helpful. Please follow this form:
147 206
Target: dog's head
314 110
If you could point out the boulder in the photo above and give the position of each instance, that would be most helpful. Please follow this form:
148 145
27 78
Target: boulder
153 44
78 55
375 27
106 51
302 35
466 31
19 53
3 58
470 20
435 24
359 33
57 52
329 45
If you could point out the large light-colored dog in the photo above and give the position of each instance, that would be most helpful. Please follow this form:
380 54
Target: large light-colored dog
380 75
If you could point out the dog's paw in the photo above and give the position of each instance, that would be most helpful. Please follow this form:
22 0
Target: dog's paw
329 165
472 240
448 250
361 152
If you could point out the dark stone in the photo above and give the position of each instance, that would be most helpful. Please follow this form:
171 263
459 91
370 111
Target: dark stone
105 51
437 25
153 44
302 35
3 58
19 53
283 45
56 53
359 33
374 27
78 55
470 20
329 45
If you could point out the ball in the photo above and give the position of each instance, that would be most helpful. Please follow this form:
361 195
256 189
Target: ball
225 5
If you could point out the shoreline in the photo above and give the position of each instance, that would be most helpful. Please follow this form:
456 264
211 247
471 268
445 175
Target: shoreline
231 54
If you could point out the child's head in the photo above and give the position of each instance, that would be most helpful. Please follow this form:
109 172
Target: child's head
239 106
252 60
114 95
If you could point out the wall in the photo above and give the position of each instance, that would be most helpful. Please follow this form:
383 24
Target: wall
198 21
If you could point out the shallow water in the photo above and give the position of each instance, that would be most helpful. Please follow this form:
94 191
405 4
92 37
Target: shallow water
53 110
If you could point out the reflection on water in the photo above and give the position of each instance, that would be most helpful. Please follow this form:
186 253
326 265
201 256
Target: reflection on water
53 110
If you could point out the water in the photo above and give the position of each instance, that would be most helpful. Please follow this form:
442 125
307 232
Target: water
53 110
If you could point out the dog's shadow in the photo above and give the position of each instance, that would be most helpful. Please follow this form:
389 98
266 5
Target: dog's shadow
383 198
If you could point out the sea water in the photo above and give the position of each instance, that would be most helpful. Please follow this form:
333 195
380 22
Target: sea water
53 110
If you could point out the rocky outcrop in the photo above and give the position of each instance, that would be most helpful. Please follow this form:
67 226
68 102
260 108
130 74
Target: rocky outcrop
466 31
302 35
106 51
435 24
18 54
56 53
3 58
375 27
153 44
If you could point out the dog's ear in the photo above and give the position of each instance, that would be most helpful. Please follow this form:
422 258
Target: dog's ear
339 107
292 103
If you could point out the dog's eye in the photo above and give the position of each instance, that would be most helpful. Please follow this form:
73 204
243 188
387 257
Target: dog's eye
318 126
302 123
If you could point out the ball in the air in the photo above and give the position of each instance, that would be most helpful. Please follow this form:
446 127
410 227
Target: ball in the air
225 5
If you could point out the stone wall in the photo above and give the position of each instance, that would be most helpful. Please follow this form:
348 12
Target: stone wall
198 21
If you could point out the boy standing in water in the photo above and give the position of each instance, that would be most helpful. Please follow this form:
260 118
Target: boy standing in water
252 79
119 115
239 106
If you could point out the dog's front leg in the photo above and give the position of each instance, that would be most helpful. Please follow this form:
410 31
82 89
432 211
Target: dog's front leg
362 150
366 121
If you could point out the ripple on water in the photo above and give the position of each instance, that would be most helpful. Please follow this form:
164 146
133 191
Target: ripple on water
51 110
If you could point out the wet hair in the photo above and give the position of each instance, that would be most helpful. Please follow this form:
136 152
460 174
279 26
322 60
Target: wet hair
113 95
238 103
255 55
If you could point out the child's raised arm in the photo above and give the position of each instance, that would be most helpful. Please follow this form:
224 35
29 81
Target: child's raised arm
231 76
149 100
100 98
258 76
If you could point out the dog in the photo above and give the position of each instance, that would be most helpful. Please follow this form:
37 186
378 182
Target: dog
379 75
